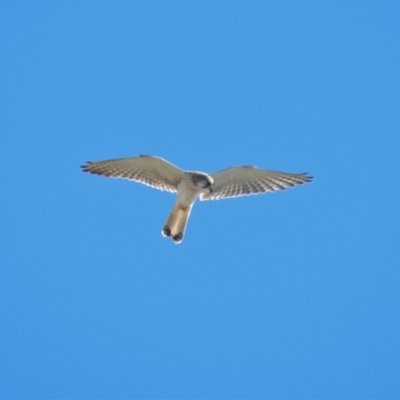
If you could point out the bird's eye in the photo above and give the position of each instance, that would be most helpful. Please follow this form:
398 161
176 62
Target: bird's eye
208 183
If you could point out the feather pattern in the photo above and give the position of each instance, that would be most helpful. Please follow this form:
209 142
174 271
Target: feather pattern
247 180
151 171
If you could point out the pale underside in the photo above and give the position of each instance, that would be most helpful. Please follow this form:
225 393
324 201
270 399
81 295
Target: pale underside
160 174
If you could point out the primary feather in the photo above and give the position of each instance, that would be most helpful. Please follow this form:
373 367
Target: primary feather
246 180
152 171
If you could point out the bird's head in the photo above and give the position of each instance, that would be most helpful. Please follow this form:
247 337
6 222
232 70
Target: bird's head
202 180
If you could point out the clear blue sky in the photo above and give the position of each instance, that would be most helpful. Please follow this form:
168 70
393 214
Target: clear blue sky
287 295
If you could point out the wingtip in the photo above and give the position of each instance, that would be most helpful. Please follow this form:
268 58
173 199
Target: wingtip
85 168
309 178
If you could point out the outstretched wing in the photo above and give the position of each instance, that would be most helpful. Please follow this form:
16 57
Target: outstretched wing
152 171
246 180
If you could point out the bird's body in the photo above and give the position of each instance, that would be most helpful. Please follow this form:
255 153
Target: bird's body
160 174
192 185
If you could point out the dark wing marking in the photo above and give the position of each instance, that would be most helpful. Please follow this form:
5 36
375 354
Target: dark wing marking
152 171
246 180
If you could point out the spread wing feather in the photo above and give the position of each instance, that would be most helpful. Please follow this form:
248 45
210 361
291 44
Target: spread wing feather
246 180
152 171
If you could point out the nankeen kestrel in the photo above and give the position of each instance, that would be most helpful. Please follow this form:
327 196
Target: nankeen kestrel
160 174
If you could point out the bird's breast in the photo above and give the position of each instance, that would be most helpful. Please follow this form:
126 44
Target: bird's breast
187 192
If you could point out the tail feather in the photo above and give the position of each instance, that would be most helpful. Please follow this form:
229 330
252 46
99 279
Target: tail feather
176 222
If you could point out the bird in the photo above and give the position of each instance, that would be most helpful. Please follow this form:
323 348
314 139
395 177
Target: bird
189 185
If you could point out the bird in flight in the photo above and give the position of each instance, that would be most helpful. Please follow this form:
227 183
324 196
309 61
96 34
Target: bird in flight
188 185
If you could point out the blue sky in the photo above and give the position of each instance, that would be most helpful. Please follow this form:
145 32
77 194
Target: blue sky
287 295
